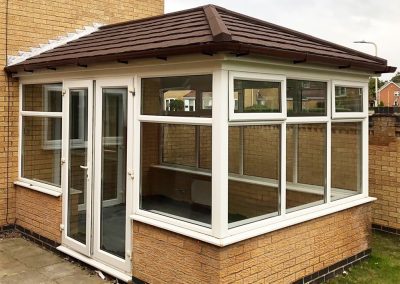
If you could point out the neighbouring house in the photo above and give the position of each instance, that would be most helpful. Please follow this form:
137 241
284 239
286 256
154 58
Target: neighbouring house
389 94
201 146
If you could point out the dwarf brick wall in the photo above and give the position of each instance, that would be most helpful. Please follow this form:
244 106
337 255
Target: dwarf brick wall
40 213
31 23
282 256
384 169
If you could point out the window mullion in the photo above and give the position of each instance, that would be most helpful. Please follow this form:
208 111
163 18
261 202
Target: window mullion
282 178
328 162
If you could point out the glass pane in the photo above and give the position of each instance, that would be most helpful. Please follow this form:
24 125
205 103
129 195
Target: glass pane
305 165
254 154
77 172
306 98
113 171
176 171
44 98
177 96
348 99
257 96
41 149
346 159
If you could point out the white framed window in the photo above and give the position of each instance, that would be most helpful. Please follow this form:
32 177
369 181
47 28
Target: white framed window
349 99
256 96
40 134
176 141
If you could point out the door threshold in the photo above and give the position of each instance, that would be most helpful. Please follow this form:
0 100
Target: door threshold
101 266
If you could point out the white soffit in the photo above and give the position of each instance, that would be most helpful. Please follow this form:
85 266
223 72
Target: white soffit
53 43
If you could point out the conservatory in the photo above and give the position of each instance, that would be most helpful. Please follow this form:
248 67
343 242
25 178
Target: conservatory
183 145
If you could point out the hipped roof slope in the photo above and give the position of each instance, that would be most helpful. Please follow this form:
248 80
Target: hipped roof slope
207 29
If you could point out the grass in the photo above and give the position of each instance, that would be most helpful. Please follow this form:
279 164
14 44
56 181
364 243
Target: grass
382 267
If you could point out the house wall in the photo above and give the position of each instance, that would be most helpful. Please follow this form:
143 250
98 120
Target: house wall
384 170
387 95
31 23
282 256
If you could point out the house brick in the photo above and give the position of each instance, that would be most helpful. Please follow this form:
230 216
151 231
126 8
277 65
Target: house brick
231 264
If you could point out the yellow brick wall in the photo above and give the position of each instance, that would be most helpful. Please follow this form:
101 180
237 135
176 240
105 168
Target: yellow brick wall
34 216
33 22
282 256
384 170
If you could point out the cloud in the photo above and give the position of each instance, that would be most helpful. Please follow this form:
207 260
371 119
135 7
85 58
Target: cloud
339 21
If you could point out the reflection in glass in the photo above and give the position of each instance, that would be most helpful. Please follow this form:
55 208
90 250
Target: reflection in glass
113 171
257 96
43 98
306 98
254 154
177 96
176 171
348 99
305 165
77 169
41 149
346 159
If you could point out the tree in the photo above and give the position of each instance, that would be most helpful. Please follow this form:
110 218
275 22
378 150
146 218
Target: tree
396 78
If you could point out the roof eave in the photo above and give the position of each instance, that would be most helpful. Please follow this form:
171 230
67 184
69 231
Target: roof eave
212 48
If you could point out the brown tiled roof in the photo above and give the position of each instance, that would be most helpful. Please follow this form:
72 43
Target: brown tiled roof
207 29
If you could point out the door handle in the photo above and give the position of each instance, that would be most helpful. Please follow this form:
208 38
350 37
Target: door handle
83 167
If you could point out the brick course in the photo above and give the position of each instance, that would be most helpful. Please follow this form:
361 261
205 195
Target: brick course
282 256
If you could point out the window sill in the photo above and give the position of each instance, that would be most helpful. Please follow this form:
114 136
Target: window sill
257 228
38 188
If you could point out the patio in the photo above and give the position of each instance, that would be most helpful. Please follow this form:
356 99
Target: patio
22 261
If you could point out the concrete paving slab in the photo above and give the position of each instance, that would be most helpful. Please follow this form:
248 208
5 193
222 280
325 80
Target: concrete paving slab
23 262
60 270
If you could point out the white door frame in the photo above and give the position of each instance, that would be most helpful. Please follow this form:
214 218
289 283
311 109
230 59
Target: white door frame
105 257
66 240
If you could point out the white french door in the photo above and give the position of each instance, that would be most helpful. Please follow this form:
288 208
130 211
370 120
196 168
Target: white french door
96 186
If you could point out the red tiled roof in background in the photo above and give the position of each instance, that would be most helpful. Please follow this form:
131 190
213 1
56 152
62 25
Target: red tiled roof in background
207 29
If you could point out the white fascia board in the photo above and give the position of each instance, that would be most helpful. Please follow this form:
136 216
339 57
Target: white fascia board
51 44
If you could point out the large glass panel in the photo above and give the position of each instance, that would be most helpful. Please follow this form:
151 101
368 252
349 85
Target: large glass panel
348 99
176 171
306 98
346 159
254 159
43 98
41 149
257 96
305 165
113 171
177 96
77 168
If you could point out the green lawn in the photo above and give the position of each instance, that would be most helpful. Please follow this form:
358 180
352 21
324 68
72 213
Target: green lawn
382 267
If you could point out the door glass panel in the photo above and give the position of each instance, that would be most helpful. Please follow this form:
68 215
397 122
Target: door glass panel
113 171
77 170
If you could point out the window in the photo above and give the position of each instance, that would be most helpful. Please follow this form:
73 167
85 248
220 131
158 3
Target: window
256 96
177 96
346 159
254 162
41 133
306 98
305 165
349 99
176 157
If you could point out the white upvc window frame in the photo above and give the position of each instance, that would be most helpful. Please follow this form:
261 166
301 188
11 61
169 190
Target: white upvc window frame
263 77
43 186
179 120
364 101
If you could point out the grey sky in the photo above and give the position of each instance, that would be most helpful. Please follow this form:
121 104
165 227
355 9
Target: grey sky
339 21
